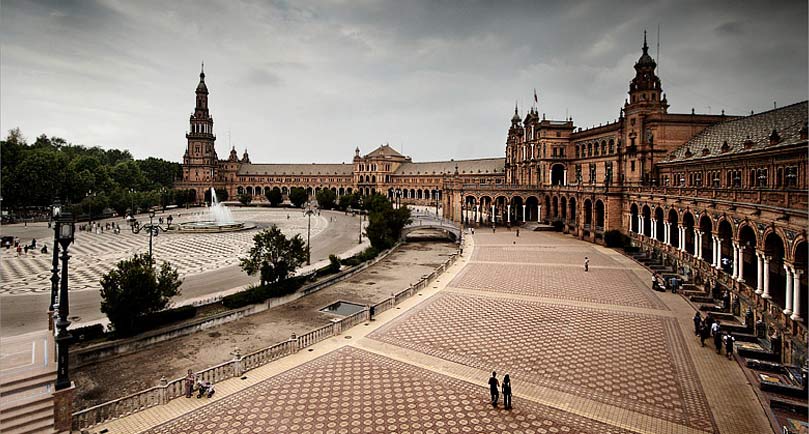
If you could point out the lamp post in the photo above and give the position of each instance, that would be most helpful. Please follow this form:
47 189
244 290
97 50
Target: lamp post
463 203
90 203
309 211
132 199
360 211
151 228
65 235
56 211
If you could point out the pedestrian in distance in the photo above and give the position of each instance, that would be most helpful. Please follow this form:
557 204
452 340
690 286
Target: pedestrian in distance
518 232
189 383
586 263
507 392
709 321
494 385
697 323
717 341
715 328
729 340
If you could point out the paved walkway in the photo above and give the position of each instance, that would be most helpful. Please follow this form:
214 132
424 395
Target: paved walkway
594 352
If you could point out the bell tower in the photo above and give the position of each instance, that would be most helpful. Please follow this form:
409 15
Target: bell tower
645 93
200 161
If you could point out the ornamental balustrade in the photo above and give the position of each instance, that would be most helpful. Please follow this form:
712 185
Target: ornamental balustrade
168 390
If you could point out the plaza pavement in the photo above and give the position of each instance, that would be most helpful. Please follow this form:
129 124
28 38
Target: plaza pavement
594 352
207 263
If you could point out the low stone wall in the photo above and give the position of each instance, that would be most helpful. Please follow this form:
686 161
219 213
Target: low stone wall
168 390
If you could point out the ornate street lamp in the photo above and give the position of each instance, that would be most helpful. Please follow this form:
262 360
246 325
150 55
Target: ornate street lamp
65 235
56 211
360 211
309 211
152 228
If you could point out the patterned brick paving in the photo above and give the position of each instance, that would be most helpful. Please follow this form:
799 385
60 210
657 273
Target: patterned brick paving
542 254
605 285
94 254
630 360
353 391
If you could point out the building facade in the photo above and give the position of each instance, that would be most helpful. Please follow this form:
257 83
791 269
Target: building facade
723 198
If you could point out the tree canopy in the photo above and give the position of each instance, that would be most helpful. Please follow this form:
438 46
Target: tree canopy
89 178
385 223
326 198
274 256
275 196
134 289
298 196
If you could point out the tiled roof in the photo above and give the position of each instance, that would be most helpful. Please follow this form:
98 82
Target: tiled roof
296 169
385 151
482 165
747 134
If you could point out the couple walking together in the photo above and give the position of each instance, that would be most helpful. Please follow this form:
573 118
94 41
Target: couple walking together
494 386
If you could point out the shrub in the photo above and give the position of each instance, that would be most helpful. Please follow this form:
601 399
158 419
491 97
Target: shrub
159 319
87 333
260 293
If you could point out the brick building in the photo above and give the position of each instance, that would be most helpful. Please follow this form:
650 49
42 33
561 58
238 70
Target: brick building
724 198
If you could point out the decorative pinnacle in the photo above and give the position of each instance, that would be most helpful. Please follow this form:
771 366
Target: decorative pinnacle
645 45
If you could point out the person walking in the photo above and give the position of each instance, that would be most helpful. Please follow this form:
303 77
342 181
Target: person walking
709 321
697 323
729 340
493 388
507 392
717 341
190 379
704 333
715 328
586 263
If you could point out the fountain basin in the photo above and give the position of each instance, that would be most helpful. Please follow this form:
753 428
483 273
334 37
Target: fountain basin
210 226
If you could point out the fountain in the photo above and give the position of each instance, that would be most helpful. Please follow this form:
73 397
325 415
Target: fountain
219 219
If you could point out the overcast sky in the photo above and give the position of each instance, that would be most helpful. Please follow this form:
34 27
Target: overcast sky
303 81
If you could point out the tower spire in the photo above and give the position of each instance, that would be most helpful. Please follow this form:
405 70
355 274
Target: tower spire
202 70
645 45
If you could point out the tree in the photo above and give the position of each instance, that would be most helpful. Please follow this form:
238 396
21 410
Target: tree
221 195
326 198
349 200
134 288
298 196
273 255
275 197
385 223
245 199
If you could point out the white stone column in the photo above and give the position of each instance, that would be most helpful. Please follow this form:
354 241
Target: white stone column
508 213
697 244
523 213
796 295
564 179
766 272
494 216
788 298
759 274
735 267
666 232
681 237
539 213
740 273
653 229
477 213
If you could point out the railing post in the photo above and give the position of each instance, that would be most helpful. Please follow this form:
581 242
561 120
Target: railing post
237 362
335 327
162 399
295 343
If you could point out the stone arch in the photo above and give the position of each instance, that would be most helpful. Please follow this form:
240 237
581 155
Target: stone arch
341 191
572 205
633 218
706 227
724 230
500 208
531 204
485 209
774 249
563 208
558 174
752 230
517 209
688 224
240 190
547 207
373 179
555 207
748 241
248 191
648 230
588 213
673 219
659 226
599 215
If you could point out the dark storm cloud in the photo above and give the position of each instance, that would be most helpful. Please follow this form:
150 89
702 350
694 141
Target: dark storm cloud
306 80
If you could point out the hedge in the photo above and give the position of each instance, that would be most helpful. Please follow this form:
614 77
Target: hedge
258 294
86 333
159 319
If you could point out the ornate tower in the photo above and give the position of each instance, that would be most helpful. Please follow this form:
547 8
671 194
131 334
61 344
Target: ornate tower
513 143
200 162
645 93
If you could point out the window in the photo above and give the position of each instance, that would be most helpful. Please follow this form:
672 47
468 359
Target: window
612 146
632 165
791 176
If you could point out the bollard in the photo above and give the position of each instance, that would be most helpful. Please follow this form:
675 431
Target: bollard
163 385
237 362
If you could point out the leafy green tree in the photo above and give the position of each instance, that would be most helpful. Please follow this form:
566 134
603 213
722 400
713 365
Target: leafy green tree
326 198
275 197
134 288
161 173
274 256
245 199
385 223
298 196
221 195
349 200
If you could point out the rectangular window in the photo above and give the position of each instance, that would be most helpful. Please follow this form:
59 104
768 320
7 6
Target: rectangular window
632 165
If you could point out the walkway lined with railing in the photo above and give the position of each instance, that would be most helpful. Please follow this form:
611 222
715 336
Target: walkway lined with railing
240 364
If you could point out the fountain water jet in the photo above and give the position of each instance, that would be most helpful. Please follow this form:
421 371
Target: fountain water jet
219 219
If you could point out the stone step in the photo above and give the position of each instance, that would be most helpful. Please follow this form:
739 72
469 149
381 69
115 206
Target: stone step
701 299
36 422
11 386
24 411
